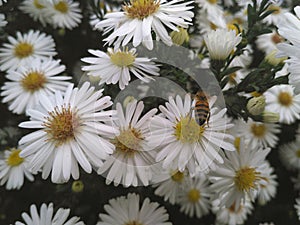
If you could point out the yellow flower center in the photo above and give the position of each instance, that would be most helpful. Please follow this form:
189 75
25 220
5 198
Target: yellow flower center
187 130
122 58
61 125
14 159
23 50
33 81
237 142
177 176
61 6
232 26
128 141
258 130
37 4
285 98
276 38
133 223
212 1
276 8
141 9
298 153
245 179
194 195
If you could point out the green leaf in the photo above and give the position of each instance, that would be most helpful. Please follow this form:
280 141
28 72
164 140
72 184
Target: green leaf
230 70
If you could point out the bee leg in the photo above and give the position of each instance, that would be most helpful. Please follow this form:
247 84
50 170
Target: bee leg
208 119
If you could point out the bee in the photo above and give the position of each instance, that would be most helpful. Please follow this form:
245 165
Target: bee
201 108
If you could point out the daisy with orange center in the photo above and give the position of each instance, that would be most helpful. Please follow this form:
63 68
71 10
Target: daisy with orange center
69 127
140 17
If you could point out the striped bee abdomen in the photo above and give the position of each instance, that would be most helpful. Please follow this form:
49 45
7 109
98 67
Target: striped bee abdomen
201 109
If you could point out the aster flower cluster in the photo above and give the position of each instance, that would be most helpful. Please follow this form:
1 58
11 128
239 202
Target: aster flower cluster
148 112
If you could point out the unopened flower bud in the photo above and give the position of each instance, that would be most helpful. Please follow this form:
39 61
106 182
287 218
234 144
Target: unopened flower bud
180 37
127 100
273 60
256 105
270 117
77 186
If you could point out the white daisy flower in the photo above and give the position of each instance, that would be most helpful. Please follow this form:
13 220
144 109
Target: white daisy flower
194 198
240 176
29 82
258 133
277 16
235 78
168 184
212 9
206 24
36 10
183 142
268 42
268 191
46 216
140 17
64 14
131 161
230 215
3 22
290 155
69 127
281 99
290 29
293 67
26 47
221 42
117 65
13 168
297 207
127 210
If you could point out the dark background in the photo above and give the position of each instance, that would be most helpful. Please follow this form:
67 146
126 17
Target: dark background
72 46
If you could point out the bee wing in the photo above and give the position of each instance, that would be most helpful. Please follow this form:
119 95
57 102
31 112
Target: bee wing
212 100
